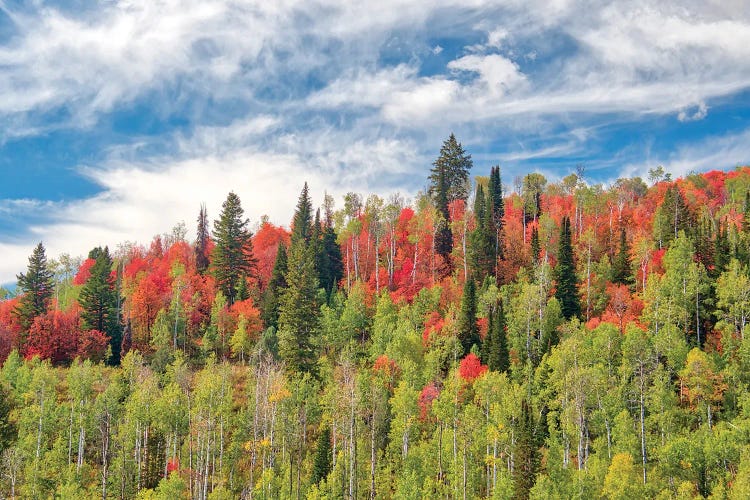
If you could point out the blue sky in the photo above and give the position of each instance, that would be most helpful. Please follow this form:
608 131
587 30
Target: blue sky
118 118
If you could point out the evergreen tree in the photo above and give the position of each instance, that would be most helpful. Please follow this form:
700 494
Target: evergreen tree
450 171
201 242
468 331
526 454
672 216
302 224
495 345
482 245
299 308
98 300
36 288
497 213
330 263
536 247
276 286
323 454
449 179
565 272
233 258
622 271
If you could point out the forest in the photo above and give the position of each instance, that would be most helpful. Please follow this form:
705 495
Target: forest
536 339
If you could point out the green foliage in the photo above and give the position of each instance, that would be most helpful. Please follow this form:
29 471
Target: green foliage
232 258
36 288
468 331
565 273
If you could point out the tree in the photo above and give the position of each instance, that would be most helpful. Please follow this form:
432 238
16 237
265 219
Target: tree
449 179
322 460
565 271
495 345
483 247
298 310
98 300
525 453
468 331
276 286
302 226
202 241
622 272
36 287
329 262
233 259
497 209
450 171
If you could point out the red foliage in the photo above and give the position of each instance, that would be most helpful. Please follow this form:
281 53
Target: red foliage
484 326
471 368
265 246
92 344
53 336
387 369
623 307
429 394
251 313
84 272
433 325
173 465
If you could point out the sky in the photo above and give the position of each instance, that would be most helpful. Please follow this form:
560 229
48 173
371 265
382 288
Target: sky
119 118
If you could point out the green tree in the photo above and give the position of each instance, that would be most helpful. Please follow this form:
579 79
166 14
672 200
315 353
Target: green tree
450 171
468 331
201 242
482 238
299 308
565 272
233 258
495 345
526 453
622 271
329 261
323 455
99 301
276 286
36 287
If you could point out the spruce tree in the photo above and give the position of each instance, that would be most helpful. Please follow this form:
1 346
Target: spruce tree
233 258
622 271
323 456
330 263
36 287
536 247
565 272
98 301
482 245
526 454
201 242
468 331
449 180
302 224
497 214
299 308
495 345
451 168
276 286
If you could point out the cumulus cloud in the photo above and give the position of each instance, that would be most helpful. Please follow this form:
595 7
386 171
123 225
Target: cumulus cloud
349 96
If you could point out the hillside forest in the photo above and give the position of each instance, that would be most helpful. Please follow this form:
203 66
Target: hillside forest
531 339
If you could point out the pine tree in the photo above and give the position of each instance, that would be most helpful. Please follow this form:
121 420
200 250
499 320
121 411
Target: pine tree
497 214
98 300
322 459
526 454
672 216
329 261
495 345
536 247
299 308
233 258
276 286
482 245
201 242
565 271
302 225
451 169
449 180
36 288
622 271
468 331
